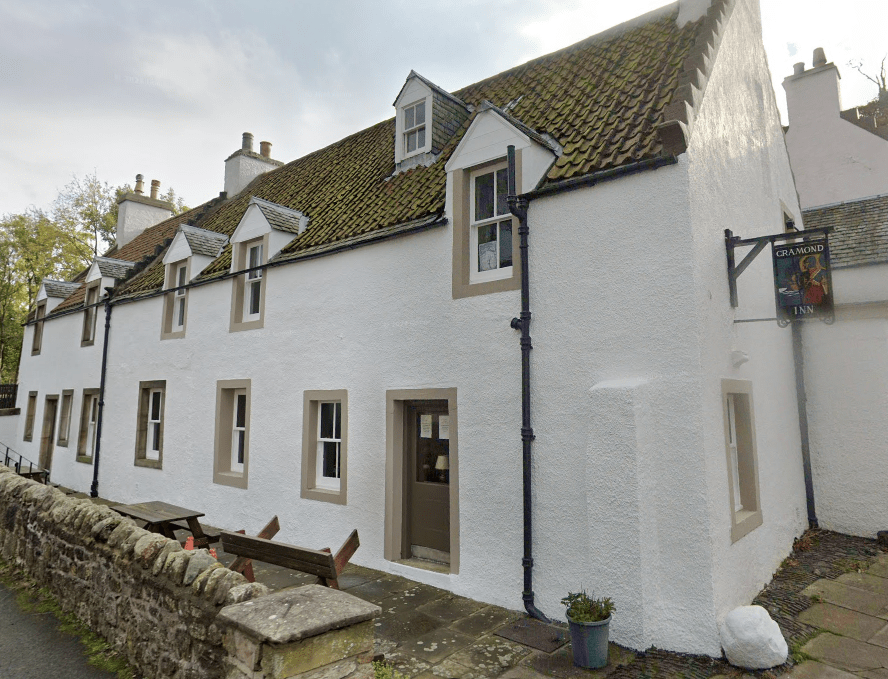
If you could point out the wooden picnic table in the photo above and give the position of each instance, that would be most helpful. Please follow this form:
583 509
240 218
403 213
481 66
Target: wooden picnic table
164 518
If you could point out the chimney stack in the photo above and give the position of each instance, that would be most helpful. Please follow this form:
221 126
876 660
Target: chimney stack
140 186
155 187
265 149
819 57
247 144
243 166
799 68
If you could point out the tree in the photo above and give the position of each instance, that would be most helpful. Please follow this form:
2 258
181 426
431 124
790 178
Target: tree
880 80
84 209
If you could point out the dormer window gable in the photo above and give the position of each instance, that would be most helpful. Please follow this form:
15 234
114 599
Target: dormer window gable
199 247
427 116
55 292
272 225
107 271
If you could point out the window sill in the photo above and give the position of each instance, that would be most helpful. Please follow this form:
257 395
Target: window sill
246 325
233 479
87 343
176 334
62 444
325 495
85 459
744 522
150 464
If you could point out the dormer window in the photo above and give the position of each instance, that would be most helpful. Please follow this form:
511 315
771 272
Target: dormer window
88 335
175 302
491 225
253 296
179 301
414 127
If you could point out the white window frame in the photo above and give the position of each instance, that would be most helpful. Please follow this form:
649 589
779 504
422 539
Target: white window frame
322 481
238 432
88 336
253 280
500 272
416 128
153 440
741 456
89 414
179 297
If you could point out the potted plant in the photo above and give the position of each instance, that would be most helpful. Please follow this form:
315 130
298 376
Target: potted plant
589 620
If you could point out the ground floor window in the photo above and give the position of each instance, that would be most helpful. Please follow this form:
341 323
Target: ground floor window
89 418
325 445
149 426
741 457
232 446
29 416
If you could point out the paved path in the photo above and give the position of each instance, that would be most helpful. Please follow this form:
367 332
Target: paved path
32 647
852 611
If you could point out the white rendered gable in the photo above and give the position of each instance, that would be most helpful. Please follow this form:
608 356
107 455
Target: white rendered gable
180 250
51 302
254 225
488 138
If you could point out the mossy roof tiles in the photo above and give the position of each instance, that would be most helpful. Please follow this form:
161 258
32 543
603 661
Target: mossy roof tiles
601 100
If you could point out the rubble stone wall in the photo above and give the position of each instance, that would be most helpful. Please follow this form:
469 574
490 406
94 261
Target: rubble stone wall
153 601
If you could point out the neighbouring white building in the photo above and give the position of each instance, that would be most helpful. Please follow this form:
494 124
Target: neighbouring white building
332 340
840 161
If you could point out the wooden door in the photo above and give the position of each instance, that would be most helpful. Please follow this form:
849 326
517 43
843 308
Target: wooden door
427 479
47 438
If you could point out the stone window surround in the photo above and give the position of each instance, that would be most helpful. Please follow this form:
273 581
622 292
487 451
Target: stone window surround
394 482
239 257
222 474
90 314
82 455
145 389
462 241
310 490
169 300
747 519
37 340
65 409
30 415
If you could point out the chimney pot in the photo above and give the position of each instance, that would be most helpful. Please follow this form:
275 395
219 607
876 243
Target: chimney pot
819 57
799 68
265 149
140 187
247 144
155 187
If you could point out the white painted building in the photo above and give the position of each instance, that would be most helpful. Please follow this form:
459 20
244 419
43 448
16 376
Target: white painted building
840 161
334 345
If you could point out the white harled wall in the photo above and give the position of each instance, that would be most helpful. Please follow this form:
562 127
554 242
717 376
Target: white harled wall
737 142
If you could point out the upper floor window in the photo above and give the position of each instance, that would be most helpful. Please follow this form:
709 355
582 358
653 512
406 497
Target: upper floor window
179 303
38 328
253 293
414 127
175 302
491 226
88 336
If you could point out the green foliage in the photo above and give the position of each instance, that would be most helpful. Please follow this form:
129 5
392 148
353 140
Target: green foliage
382 670
583 608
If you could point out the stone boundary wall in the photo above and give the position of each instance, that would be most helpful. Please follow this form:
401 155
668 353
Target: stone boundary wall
162 606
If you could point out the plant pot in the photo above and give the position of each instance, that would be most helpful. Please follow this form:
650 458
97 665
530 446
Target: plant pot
589 642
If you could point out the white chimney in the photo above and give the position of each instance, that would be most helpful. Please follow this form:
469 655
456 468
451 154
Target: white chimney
136 212
813 92
244 165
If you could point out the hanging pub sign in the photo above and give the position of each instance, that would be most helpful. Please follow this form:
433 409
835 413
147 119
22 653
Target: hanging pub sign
802 281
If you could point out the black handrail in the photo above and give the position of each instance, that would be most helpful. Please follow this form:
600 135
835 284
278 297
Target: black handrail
18 465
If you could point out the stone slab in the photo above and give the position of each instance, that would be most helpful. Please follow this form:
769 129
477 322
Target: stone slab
880 638
874 674
377 590
451 608
879 567
297 613
846 654
452 670
436 645
538 635
410 599
491 655
811 669
485 620
844 621
848 597
870 583
405 626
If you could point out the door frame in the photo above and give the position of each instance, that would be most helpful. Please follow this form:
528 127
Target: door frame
395 519
47 438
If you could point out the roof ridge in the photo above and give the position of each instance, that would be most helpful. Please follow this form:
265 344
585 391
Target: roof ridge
844 202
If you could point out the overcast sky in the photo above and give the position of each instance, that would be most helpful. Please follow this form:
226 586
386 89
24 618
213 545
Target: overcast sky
166 88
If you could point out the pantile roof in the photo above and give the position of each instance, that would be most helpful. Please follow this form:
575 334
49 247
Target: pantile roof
59 288
203 242
617 98
860 230
278 216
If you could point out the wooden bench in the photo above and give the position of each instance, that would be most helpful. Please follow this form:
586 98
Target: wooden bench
212 535
328 567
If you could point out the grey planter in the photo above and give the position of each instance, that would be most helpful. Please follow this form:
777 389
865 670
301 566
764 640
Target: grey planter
589 642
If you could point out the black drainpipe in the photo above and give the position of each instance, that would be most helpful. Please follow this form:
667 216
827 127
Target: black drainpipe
802 399
518 207
94 490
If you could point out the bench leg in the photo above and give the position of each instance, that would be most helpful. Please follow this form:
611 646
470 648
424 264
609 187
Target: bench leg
244 565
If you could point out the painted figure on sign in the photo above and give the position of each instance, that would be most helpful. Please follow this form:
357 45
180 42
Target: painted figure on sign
813 279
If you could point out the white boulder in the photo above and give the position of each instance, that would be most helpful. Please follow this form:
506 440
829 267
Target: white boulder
752 640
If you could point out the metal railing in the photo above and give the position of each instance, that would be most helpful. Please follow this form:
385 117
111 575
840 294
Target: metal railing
23 466
8 393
